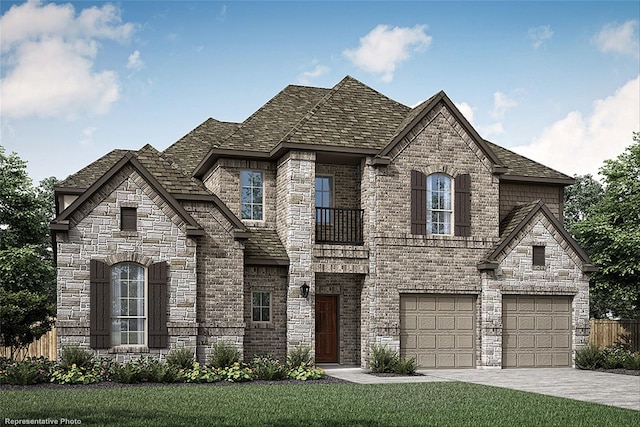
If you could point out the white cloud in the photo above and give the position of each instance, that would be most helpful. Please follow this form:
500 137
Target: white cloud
501 103
87 135
384 48
466 110
540 34
621 38
306 76
579 144
134 62
49 52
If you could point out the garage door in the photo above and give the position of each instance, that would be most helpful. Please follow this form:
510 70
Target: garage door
537 331
438 330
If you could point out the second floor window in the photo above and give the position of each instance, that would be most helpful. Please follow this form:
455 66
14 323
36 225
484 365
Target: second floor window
127 305
251 195
439 204
323 199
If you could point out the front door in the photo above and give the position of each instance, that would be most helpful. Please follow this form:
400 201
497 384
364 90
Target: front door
327 329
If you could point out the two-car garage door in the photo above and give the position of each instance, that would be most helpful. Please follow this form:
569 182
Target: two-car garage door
440 330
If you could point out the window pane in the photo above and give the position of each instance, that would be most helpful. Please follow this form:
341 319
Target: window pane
257 212
255 299
265 298
265 314
256 314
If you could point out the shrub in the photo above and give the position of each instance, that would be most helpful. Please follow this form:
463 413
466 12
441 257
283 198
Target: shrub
588 357
75 375
180 358
267 368
383 359
236 373
305 372
33 370
632 362
300 354
405 366
198 373
144 369
75 355
614 356
223 355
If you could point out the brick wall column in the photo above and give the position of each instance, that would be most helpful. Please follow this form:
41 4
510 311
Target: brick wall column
490 322
295 225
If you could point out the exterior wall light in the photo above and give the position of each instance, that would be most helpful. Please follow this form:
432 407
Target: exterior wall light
304 290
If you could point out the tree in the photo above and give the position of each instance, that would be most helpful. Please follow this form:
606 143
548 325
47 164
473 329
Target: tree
27 273
611 235
579 198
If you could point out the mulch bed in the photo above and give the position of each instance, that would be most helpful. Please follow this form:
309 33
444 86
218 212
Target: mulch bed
620 371
106 384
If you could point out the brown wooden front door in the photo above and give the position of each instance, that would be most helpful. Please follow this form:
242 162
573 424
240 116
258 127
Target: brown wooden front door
327 329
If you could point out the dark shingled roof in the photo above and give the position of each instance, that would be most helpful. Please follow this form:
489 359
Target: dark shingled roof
189 150
520 166
265 128
350 115
169 175
265 247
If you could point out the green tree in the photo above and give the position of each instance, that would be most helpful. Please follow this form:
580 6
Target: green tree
579 198
27 273
611 235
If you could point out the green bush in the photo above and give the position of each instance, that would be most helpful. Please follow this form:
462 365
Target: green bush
405 366
180 358
145 369
267 368
300 354
304 372
223 355
75 355
632 362
383 359
236 373
75 375
588 357
198 373
33 370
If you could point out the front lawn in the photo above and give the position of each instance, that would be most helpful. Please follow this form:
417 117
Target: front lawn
441 404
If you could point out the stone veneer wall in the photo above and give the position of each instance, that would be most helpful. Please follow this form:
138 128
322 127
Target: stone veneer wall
295 183
348 288
220 288
404 263
561 275
224 182
513 194
95 234
266 338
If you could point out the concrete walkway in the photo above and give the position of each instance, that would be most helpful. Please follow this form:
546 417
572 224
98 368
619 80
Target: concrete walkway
589 386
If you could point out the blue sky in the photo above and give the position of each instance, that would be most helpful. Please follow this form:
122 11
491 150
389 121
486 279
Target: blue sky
555 81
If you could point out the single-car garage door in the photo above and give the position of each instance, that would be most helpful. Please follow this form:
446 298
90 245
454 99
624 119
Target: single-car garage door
438 330
537 331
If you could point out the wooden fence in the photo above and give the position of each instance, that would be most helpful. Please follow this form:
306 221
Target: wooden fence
46 346
610 332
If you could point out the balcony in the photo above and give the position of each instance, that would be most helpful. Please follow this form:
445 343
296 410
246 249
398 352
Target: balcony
339 226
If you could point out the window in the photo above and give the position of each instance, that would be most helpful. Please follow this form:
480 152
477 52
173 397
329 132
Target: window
251 195
538 256
128 219
261 306
439 204
128 307
323 199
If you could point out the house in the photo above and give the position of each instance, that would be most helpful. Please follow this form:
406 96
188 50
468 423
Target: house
335 218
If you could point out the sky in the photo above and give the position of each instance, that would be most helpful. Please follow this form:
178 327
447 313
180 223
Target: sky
558 82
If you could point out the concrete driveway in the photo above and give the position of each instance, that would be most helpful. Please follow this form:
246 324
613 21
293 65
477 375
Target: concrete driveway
589 386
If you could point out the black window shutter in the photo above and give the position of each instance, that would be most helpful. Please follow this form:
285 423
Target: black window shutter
418 203
462 205
157 309
100 304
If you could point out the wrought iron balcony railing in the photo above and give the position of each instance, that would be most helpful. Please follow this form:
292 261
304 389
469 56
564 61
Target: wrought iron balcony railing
339 226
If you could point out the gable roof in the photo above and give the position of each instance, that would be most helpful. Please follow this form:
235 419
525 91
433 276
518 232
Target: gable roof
521 168
189 150
515 222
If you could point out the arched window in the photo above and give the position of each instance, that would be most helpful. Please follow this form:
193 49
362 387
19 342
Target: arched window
439 204
128 314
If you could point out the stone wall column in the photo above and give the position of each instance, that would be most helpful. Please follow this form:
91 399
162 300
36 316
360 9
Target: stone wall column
490 322
296 228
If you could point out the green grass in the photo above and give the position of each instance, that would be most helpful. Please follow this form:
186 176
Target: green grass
441 404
